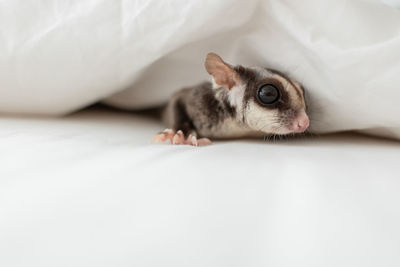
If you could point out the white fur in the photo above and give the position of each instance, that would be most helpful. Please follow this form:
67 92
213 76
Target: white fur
260 120
214 83
236 96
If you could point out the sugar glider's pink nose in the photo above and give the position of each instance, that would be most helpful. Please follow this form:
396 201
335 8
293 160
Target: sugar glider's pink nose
300 123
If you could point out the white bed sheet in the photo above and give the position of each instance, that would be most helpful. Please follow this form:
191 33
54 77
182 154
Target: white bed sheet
90 190
58 56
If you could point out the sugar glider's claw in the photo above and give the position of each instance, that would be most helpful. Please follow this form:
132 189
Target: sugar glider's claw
179 138
192 140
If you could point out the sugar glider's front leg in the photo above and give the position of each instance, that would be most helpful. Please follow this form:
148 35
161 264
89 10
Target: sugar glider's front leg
182 130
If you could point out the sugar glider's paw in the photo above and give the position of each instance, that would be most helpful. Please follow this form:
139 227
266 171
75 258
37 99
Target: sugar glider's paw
178 138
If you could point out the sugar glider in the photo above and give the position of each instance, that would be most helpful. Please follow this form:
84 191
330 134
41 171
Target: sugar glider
238 102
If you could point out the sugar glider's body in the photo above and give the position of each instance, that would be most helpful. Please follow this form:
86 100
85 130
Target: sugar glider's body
240 101
205 112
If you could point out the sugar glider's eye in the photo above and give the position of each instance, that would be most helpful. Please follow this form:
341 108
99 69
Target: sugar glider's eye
268 94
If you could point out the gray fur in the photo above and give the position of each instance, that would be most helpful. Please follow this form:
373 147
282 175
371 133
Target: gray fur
206 110
213 111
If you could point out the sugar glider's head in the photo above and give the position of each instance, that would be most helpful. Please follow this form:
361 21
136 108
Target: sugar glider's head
265 100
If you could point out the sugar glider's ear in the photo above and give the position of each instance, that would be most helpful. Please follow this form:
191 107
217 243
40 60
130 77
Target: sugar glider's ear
223 73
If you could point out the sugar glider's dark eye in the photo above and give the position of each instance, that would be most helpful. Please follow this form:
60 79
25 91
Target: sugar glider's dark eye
268 94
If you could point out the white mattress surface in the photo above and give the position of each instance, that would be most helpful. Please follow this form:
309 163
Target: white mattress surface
90 190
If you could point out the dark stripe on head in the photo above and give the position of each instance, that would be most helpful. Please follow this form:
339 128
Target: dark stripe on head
253 81
283 75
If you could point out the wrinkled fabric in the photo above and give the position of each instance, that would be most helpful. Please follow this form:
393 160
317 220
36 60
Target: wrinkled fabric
58 56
